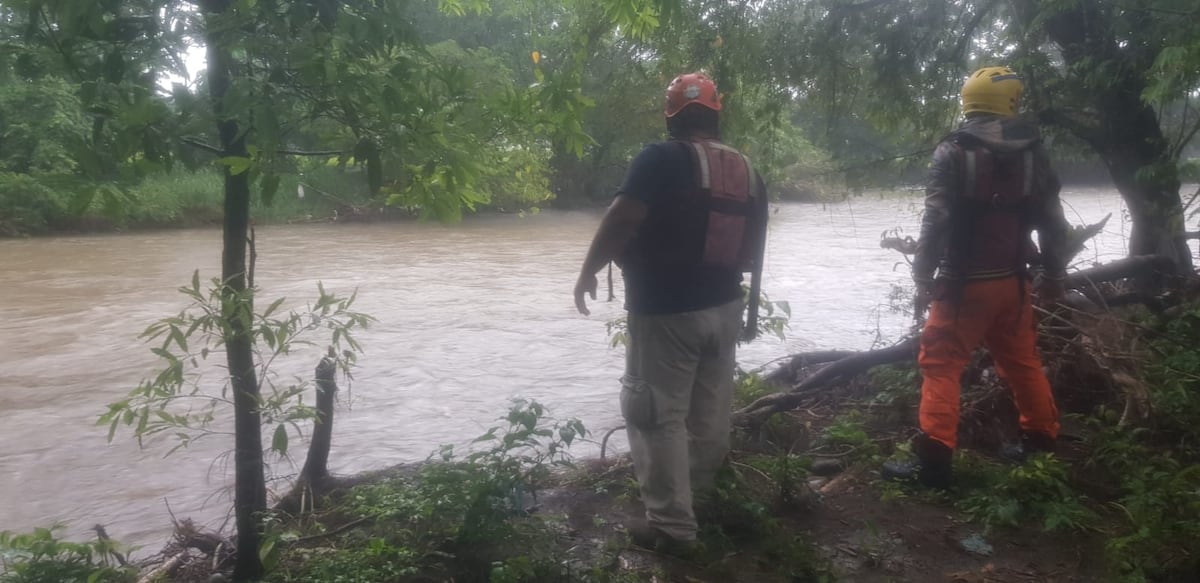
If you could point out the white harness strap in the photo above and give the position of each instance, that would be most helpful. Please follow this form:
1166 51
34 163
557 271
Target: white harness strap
702 156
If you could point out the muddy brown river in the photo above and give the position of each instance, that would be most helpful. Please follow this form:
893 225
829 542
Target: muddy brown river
470 316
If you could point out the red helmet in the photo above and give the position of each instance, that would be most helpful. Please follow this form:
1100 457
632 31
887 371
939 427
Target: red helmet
691 88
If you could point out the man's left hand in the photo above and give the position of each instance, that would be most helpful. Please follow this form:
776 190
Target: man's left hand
586 284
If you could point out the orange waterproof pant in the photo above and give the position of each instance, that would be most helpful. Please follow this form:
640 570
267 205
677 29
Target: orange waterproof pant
992 313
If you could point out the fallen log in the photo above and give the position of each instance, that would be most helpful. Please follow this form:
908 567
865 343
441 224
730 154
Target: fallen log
1129 267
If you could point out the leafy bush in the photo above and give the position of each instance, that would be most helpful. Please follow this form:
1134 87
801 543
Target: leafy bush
41 557
1173 376
1159 503
1037 489
28 206
466 506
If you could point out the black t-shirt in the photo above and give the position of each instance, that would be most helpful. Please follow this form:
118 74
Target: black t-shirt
659 169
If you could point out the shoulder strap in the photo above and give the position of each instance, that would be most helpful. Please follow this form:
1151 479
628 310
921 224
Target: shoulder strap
702 169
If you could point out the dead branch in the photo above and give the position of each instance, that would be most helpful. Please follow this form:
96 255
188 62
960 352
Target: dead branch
1078 236
165 569
787 373
1076 239
334 532
907 245
604 442
839 370
1126 268
189 536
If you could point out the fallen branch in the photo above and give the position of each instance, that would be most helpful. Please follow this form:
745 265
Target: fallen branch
336 531
164 570
1126 268
604 442
786 374
840 370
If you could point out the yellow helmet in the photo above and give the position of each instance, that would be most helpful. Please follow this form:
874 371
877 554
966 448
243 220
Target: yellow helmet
992 90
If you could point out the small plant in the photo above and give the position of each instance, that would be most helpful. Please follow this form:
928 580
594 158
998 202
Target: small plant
1035 490
178 402
787 472
749 387
41 557
502 479
897 385
849 433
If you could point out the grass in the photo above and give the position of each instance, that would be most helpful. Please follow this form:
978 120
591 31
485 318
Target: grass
47 204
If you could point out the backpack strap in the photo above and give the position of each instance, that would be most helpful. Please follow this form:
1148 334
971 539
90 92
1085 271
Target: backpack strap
970 172
1027 181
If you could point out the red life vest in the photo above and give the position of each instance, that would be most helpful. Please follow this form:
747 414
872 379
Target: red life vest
990 233
718 221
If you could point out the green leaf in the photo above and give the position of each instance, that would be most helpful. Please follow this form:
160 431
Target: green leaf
236 164
279 441
274 306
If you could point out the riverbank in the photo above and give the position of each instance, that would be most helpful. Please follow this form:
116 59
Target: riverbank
800 499
68 205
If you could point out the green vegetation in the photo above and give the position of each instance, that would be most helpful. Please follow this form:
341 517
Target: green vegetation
1036 491
462 515
41 557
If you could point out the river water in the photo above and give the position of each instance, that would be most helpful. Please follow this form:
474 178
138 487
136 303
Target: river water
469 316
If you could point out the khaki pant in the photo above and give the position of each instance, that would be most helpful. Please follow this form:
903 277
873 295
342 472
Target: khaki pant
676 397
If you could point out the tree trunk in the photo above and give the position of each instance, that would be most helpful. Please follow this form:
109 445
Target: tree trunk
250 492
1123 129
1146 176
316 465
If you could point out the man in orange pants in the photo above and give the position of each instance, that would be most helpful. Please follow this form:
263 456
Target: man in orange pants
990 185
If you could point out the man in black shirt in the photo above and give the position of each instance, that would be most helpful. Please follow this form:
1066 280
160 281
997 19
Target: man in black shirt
689 219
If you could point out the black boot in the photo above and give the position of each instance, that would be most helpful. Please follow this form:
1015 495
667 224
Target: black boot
1038 443
932 468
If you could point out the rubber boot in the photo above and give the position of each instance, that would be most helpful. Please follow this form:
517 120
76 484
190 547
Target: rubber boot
932 468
